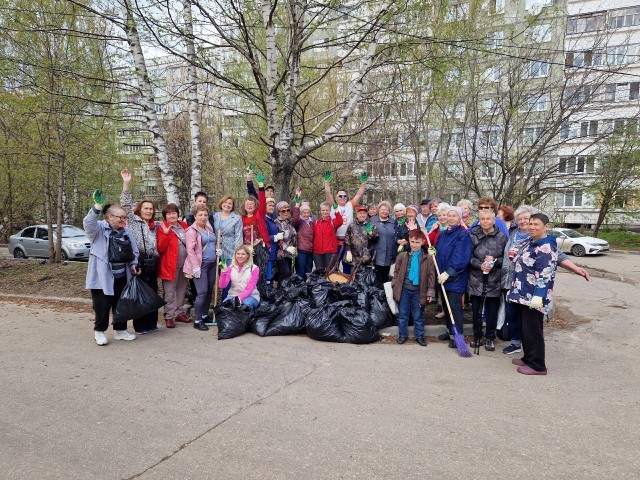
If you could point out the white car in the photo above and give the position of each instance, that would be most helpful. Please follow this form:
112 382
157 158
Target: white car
570 241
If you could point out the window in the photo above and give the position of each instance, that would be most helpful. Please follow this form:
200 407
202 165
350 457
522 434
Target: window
42 234
626 17
586 23
161 109
28 233
621 92
175 107
495 6
487 170
535 103
457 12
494 39
535 69
586 58
536 6
538 33
488 104
492 74
578 95
589 129
491 138
581 164
617 55
531 135
571 199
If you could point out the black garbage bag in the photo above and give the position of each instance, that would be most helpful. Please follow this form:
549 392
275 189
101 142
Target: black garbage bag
322 293
379 310
323 324
347 292
137 299
294 288
362 299
367 276
262 317
357 326
291 319
232 321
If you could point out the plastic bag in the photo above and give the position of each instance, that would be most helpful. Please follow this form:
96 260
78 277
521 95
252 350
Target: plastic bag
291 319
388 291
379 310
348 292
294 288
323 324
367 276
137 299
322 293
357 326
232 321
262 317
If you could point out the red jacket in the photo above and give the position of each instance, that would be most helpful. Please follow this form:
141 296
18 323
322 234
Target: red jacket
433 236
325 240
168 250
260 215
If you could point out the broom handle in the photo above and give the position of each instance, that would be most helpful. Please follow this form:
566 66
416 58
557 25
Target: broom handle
252 245
444 292
215 285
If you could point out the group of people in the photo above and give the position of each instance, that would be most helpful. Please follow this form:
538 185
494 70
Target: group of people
438 251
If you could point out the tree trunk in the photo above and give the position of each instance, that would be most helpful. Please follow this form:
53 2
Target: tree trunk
148 105
602 214
194 122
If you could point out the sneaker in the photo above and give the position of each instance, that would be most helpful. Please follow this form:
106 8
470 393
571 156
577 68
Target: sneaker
200 326
443 336
123 335
452 344
153 330
208 320
421 341
140 332
101 338
510 349
489 346
440 315
475 344
401 340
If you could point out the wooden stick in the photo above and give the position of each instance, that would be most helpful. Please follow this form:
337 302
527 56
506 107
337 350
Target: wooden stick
215 286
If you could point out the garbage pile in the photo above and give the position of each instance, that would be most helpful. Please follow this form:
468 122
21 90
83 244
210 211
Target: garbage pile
325 311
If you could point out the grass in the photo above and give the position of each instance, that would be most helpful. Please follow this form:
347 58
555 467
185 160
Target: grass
30 277
621 240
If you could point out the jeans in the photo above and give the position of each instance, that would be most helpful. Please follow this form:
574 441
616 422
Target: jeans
304 264
346 268
455 301
204 287
250 302
511 318
491 307
410 305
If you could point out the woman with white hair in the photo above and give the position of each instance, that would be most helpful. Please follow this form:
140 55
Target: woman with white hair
303 223
441 224
286 238
385 247
467 217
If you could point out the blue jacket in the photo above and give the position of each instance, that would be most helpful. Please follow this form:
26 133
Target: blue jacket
99 275
385 247
452 256
272 228
534 272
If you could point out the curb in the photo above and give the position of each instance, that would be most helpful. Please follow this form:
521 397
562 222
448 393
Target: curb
83 301
626 252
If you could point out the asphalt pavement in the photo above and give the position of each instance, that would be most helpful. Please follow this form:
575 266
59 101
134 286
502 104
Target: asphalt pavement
181 404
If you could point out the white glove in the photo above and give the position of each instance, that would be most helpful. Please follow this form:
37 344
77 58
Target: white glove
443 278
196 273
292 251
536 302
348 257
278 236
218 252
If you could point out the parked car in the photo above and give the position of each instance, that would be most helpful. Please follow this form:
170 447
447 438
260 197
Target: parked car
34 242
570 241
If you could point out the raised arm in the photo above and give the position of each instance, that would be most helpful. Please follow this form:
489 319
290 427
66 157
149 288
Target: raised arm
360 193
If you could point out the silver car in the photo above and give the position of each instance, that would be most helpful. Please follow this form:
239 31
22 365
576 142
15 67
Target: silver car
570 241
34 242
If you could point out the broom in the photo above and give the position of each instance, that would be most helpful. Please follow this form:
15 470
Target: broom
458 338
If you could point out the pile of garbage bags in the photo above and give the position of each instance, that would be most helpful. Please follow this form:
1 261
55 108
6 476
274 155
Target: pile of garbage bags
328 312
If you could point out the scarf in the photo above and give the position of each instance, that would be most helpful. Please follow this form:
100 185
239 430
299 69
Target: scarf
521 237
414 270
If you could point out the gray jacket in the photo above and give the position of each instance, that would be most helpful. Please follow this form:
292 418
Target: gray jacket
491 244
231 234
385 247
144 236
99 275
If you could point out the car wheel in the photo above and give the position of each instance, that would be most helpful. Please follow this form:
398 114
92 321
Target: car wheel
17 253
63 256
578 251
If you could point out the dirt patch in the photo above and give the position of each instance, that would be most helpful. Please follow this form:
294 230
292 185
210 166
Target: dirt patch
32 277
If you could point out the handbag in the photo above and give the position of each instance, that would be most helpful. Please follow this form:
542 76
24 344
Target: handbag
148 262
120 249
388 291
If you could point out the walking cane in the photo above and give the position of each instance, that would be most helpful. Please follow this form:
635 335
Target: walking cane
458 338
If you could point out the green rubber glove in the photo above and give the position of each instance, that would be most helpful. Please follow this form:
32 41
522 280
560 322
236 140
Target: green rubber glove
335 206
327 176
401 221
222 263
364 177
260 179
432 251
368 228
400 249
99 197
297 199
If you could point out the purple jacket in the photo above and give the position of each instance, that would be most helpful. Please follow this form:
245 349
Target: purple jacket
305 231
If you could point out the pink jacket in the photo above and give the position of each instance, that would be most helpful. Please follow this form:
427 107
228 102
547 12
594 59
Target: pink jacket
244 282
194 249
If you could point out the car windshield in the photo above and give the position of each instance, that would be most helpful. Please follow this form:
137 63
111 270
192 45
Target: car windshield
69 231
572 234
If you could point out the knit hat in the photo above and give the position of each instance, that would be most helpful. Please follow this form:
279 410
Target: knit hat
281 205
270 200
305 206
458 210
399 206
414 208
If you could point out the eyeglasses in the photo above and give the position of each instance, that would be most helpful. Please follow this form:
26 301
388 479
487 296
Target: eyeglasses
123 218
484 208
342 196
285 210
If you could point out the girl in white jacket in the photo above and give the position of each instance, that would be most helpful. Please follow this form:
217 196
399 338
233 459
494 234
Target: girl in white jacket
241 277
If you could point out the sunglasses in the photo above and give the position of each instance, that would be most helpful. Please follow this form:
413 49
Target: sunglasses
484 208
284 210
342 196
